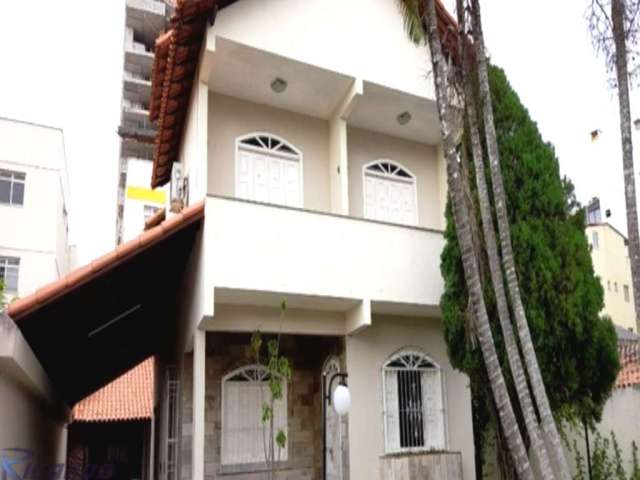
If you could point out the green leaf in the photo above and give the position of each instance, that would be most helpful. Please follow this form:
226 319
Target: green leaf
266 412
281 439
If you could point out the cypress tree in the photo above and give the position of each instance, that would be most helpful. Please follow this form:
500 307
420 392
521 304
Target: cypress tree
575 346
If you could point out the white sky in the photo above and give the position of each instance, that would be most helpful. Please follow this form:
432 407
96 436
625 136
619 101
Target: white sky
62 65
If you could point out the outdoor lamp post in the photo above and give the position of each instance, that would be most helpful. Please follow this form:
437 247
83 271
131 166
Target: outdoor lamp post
341 399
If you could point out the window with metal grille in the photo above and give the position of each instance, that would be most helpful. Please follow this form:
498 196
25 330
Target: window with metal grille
12 187
9 272
390 193
413 403
245 438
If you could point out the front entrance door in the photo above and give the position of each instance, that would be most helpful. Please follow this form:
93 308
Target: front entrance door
333 425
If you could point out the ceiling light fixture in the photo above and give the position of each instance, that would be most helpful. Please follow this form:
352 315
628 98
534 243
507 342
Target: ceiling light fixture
279 85
403 118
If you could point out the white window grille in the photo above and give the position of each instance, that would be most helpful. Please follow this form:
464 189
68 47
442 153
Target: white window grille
268 169
171 437
9 273
390 193
12 187
414 416
245 439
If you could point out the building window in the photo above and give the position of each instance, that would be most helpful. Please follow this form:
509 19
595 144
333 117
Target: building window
595 241
390 193
170 418
243 433
9 270
12 187
414 416
268 169
625 289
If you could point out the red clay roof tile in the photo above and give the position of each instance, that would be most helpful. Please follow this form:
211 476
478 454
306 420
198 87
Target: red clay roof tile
129 397
22 306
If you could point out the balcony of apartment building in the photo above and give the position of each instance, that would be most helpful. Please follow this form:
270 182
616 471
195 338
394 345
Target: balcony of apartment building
138 52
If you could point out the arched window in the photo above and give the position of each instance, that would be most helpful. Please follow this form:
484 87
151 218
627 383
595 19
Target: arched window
244 392
268 169
413 402
390 193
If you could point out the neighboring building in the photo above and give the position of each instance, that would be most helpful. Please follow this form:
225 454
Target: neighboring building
144 21
610 256
34 190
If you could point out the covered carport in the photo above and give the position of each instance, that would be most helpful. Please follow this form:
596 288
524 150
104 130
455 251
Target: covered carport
101 320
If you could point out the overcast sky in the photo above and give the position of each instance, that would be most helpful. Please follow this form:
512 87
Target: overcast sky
62 65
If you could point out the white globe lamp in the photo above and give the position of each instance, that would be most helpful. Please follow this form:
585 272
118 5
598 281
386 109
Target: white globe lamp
341 399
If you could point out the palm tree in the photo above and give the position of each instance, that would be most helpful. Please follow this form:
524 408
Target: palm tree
531 360
511 345
412 13
622 76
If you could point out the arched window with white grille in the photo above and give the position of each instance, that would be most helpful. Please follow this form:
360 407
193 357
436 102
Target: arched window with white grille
244 436
268 169
414 417
390 193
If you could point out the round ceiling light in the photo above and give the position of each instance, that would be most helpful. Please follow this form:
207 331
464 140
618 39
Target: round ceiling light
403 118
279 85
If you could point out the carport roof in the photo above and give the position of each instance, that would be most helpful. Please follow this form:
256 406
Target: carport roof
102 319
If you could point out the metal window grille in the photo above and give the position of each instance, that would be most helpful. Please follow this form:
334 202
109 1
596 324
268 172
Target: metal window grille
414 416
171 427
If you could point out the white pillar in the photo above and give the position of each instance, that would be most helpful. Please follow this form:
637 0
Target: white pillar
199 357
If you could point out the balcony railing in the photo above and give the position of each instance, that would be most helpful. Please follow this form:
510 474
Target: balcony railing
150 6
136 76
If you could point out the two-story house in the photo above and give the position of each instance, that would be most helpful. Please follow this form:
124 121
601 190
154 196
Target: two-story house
303 139
311 133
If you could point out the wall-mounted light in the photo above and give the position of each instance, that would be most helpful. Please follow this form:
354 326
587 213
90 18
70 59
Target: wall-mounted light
279 85
403 118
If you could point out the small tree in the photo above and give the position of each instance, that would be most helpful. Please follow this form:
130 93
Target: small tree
278 373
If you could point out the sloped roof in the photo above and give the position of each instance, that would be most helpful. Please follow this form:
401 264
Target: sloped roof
174 68
629 352
79 276
129 397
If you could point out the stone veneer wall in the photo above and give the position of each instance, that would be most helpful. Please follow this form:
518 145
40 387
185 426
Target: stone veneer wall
225 352
424 466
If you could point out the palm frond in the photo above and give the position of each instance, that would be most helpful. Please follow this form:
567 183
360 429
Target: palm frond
411 11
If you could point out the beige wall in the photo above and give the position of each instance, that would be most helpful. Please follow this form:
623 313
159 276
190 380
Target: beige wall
365 146
366 352
611 264
230 118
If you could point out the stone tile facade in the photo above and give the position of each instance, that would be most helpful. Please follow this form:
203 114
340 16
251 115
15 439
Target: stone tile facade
427 466
226 352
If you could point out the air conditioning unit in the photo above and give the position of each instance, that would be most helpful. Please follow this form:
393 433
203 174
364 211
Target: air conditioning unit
179 189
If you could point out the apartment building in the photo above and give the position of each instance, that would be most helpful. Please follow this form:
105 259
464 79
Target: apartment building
34 190
610 256
144 21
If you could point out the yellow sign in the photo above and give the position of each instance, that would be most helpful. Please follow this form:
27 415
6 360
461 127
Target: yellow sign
146 194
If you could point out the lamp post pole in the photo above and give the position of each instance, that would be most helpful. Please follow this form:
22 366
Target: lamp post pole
326 401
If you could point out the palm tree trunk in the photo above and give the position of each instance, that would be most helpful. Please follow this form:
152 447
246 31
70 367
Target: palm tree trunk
488 229
531 361
622 74
469 260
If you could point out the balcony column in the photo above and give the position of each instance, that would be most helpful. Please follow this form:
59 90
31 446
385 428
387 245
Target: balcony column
442 185
199 362
338 164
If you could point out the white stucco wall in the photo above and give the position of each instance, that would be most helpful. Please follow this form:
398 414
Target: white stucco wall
37 231
365 146
362 38
366 352
230 118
